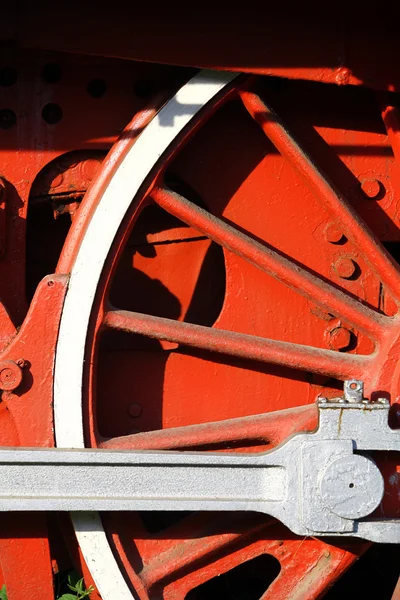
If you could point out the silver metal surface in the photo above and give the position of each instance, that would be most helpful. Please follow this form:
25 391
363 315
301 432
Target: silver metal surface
353 390
317 484
352 487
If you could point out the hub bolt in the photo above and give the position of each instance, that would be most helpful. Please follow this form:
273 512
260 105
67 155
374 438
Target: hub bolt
333 235
346 268
371 188
10 375
339 338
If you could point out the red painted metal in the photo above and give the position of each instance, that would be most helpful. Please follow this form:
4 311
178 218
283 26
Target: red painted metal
252 273
235 434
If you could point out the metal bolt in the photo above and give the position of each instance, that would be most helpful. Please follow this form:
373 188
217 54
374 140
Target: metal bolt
371 188
345 268
10 375
89 168
57 181
383 401
333 235
339 338
135 410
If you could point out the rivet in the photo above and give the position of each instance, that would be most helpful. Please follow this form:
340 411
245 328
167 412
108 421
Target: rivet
89 168
345 268
383 401
339 338
10 375
371 188
57 181
135 410
333 235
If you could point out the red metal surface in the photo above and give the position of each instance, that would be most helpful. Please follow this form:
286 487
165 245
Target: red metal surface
192 381
344 46
247 276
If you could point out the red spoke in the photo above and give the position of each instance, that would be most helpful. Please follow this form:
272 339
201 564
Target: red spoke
354 228
266 429
295 356
268 260
192 551
309 568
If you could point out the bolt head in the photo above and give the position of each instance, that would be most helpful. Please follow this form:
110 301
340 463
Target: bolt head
339 338
333 235
371 188
345 268
383 401
90 167
57 181
10 375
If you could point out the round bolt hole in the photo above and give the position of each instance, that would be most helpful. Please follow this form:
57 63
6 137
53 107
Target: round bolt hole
52 113
97 88
52 72
8 118
351 485
135 410
354 386
8 76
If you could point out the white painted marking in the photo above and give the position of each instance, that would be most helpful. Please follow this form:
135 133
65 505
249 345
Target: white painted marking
85 275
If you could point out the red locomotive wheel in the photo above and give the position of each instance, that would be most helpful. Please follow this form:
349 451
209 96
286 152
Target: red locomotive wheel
227 267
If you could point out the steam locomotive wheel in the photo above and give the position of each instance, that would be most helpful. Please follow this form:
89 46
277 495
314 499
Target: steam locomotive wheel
217 276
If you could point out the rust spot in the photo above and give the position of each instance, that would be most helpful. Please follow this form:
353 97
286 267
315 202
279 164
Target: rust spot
340 420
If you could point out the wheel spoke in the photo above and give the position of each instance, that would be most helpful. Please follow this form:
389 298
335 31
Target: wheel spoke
268 429
268 260
354 228
295 356
191 551
309 568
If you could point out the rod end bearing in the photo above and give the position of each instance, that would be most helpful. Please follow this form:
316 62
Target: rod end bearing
352 487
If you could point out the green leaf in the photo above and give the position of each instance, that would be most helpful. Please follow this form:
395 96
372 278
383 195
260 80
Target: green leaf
3 593
68 597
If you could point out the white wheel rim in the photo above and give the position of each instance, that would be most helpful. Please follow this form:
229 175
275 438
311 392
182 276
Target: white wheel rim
84 278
